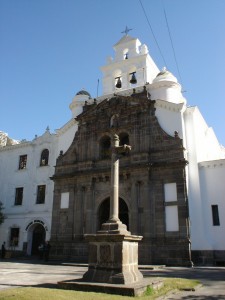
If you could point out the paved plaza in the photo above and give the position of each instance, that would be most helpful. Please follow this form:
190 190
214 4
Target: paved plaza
38 274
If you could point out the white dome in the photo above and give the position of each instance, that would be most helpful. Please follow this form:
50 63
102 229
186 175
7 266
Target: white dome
76 106
165 75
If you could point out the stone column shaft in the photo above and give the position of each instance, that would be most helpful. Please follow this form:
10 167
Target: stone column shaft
114 197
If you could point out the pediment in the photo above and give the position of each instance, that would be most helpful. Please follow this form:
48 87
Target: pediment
117 105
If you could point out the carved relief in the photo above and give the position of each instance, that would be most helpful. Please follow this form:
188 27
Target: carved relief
105 254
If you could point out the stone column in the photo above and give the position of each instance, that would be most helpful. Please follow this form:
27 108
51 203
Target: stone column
114 200
114 225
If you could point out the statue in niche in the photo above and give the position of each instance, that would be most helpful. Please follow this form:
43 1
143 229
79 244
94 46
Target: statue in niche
114 121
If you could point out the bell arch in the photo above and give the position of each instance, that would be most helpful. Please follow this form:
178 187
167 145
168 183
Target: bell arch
104 209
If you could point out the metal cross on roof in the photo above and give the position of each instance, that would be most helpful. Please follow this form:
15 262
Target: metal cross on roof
126 30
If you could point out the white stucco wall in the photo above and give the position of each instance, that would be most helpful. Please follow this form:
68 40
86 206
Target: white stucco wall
29 178
138 61
212 174
201 144
65 136
170 117
207 146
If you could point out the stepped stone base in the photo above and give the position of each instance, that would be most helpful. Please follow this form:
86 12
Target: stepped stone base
113 258
135 289
113 263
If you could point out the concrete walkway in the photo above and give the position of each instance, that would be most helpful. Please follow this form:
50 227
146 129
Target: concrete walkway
35 273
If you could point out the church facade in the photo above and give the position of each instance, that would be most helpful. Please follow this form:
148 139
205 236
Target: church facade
149 175
170 187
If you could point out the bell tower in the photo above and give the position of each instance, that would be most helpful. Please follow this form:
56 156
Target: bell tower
131 67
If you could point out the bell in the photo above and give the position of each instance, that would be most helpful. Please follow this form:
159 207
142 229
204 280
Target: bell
133 79
119 83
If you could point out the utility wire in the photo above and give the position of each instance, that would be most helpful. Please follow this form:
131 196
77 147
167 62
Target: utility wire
174 54
153 33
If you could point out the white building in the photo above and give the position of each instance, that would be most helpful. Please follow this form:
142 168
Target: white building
26 189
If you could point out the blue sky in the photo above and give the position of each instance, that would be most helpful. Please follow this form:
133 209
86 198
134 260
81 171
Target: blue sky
50 49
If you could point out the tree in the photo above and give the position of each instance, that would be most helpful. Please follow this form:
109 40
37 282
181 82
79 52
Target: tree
2 216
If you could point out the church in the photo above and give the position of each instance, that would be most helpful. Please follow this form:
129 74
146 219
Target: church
57 187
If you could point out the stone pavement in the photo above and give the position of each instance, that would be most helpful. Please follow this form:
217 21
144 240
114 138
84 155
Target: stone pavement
211 278
35 273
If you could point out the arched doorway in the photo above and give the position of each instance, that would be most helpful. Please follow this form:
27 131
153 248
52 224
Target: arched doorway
104 208
38 238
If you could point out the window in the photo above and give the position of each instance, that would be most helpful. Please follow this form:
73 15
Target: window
65 200
172 222
170 190
105 145
124 140
171 210
40 194
44 158
215 215
19 196
23 162
14 236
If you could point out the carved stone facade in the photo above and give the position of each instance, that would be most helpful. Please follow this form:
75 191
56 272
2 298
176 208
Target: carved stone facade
83 173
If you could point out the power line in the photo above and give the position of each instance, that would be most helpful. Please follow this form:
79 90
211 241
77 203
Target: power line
153 33
170 36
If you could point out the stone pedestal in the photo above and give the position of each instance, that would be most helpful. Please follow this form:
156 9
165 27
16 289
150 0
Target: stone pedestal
113 258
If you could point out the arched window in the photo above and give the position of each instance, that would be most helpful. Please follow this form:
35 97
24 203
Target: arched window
104 209
44 158
105 145
124 138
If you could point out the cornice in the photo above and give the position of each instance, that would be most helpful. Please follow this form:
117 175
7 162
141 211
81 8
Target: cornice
177 107
67 126
118 64
191 109
127 92
212 164
165 83
16 146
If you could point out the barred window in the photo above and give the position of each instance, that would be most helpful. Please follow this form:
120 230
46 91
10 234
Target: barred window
19 196
40 194
105 145
14 236
215 215
22 162
44 157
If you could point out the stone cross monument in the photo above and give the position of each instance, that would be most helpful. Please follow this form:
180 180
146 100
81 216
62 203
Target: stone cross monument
114 225
113 251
